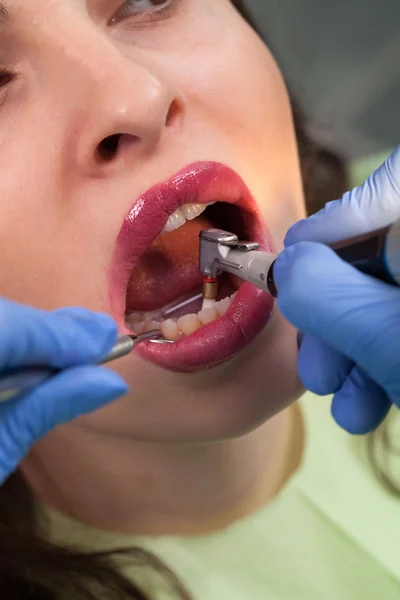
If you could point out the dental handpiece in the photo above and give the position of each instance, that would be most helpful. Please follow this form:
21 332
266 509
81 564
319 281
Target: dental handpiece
21 382
376 254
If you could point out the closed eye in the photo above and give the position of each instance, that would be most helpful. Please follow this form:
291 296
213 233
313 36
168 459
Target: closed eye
5 78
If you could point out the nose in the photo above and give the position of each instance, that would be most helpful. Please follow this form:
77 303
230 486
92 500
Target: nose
122 112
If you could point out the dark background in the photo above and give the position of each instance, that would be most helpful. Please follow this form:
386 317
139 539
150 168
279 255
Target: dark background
342 60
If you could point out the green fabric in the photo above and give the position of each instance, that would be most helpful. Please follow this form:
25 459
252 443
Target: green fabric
332 534
361 169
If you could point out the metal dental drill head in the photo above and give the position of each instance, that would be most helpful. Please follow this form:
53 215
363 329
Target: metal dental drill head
221 251
215 246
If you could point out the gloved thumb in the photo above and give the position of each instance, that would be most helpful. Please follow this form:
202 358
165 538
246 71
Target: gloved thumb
355 314
370 206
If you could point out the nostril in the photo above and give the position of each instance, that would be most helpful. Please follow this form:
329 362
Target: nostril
172 114
108 148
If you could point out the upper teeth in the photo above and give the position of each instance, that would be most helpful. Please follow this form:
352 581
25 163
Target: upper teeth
187 212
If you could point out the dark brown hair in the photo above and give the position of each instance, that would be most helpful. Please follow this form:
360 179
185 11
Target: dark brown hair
32 568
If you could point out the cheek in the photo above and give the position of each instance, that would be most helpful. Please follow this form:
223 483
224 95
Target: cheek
51 253
50 222
24 226
241 94
265 134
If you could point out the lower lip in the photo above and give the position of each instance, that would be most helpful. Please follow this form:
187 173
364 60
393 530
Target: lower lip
219 341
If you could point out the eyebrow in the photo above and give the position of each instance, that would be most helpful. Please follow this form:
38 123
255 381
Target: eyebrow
4 15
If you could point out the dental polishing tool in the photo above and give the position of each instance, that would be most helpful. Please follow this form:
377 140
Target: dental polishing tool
23 381
376 254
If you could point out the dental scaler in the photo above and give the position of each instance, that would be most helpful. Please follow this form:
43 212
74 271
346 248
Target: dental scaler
376 253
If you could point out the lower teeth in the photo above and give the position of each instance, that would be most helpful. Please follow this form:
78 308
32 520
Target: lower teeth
176 329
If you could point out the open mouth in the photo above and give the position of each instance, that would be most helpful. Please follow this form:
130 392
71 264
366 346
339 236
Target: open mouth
154 279
165 288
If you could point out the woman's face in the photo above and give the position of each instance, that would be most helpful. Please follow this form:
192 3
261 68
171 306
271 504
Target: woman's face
113 115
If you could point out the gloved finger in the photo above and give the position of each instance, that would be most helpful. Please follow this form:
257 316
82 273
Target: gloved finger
360 405
322 369
370 206
74 392
29 336
351 312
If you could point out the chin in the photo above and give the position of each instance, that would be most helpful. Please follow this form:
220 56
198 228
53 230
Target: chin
225 402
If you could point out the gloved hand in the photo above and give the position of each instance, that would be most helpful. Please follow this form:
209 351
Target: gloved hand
351 321
65 339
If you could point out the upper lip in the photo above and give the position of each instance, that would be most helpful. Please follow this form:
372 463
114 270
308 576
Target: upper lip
200 183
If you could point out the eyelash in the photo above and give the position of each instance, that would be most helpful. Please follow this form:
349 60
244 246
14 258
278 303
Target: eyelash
5 78
154 14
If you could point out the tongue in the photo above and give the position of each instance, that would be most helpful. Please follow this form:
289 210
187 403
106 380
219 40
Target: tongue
168 270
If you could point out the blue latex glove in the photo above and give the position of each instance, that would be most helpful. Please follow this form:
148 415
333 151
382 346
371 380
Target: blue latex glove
351 321
64 339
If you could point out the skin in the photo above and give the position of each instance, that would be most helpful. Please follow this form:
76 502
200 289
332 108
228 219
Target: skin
181 453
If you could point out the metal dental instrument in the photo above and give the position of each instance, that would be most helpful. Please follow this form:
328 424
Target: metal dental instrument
376 253
222 251
126 343
170 309
23 381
